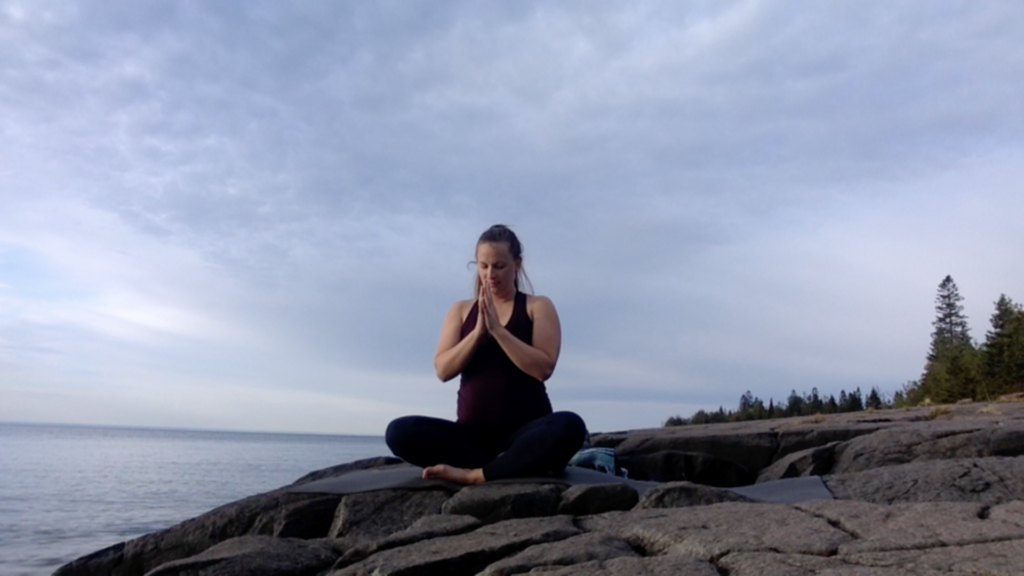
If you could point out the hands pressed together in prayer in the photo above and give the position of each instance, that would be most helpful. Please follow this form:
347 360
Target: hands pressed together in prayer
487 318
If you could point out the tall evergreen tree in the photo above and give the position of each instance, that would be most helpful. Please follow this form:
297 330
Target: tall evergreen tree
1003 350
899 399
757 410
746 402
874 400
950 324
951 371
814 403
794 405
854 402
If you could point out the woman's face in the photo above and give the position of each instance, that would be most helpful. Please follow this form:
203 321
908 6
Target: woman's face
496 267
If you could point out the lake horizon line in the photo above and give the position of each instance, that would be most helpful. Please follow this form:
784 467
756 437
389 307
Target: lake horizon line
179 429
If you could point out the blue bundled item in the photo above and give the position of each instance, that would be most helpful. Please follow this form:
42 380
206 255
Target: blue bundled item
600 459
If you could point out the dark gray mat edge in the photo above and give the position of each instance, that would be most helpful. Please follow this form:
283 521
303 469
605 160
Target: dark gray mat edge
405 477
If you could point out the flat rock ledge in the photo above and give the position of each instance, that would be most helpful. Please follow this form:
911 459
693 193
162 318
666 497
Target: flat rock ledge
915 492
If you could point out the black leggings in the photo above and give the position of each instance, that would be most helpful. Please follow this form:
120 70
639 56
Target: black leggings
540 448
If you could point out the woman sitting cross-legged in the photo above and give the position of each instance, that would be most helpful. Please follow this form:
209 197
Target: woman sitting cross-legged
505 344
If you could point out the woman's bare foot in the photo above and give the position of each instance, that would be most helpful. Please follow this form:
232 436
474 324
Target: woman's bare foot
460 475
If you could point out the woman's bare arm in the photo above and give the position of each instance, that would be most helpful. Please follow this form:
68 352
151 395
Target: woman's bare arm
539 359
454 351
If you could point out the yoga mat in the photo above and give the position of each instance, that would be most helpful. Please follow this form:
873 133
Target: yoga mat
406 477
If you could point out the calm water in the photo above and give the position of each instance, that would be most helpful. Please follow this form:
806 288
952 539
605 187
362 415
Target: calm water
66 491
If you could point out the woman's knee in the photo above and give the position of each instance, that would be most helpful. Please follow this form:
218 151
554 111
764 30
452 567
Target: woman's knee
570 426
399 432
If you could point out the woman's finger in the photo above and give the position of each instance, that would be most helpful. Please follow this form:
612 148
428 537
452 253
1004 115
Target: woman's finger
481 315
488 311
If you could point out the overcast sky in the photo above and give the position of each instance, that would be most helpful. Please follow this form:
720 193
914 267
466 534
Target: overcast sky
254 215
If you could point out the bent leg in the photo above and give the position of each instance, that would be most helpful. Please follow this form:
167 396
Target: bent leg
426 441
541 448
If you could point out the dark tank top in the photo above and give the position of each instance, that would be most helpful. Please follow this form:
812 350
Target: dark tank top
495 394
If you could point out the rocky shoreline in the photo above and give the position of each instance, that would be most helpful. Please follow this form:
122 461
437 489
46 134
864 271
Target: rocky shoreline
934 490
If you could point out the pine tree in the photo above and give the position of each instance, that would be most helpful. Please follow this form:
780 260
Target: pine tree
757 410
700 417
719 416
951 329
675 421
1003 351
899 399
746 403
874 400
856 401
852 402
951 370
814 403
794 405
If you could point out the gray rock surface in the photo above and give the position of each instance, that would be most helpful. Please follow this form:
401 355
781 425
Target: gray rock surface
994 559
431 527
375 515
654 566
753 449
865 440
939 441
425 528
496 502
576 550
682 494
586 499
465 553
807 462
710 532
799 434
306 519
674 465
923 491
919 525
984 480
769 564
255 556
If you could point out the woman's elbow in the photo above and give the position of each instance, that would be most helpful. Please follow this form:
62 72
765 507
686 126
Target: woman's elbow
444 373
545 372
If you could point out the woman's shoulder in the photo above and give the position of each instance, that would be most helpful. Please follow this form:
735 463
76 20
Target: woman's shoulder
534 298
536 302
462 308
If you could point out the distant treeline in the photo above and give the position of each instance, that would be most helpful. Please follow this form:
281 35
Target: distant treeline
753 408
956 368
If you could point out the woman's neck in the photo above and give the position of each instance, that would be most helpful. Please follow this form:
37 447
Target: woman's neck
510 297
